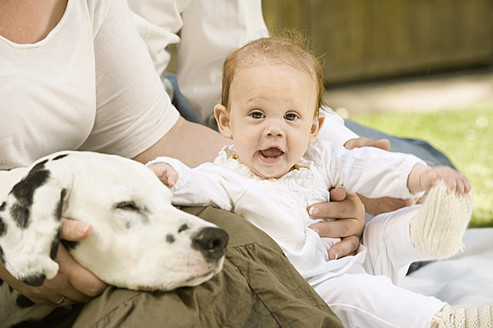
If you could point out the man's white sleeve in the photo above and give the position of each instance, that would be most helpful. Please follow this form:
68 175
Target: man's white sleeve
333 129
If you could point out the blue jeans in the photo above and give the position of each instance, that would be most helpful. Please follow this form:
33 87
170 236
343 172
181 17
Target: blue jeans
180 102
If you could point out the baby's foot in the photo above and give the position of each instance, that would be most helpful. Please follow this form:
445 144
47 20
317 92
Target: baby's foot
464 317
439 225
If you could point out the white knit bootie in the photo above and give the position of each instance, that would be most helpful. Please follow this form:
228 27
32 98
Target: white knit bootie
439 225
457 317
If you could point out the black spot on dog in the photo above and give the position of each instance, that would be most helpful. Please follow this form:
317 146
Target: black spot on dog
38 166
2 255
54 247
23 302
183 227
59 208
2 207
20 214
170 238
23 191
35 280
3 227
58 215
70 244
60 157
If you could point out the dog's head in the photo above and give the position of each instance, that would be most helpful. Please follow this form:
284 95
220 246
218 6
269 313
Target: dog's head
139 240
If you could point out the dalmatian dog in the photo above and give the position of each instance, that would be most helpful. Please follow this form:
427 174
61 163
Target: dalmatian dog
139 240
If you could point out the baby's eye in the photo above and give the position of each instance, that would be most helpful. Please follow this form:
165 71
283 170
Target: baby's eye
291 116
257 115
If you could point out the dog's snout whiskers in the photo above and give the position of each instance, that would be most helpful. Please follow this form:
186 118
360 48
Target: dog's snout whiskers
211 242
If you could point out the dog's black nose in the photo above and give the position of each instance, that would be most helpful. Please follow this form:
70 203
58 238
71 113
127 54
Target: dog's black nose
211 242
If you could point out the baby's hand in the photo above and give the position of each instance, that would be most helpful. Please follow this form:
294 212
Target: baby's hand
454 180
165 172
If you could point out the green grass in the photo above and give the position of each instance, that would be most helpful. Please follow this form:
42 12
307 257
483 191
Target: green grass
465 136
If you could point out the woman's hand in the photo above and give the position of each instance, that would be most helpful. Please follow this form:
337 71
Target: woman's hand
349 214
72 284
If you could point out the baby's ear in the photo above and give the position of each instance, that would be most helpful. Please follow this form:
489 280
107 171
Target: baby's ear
222 118
318 121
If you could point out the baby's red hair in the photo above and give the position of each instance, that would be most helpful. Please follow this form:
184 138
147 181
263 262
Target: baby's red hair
275 50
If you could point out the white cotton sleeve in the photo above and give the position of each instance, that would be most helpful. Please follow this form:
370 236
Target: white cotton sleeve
197 187
133 110
158 23
369 171
333 129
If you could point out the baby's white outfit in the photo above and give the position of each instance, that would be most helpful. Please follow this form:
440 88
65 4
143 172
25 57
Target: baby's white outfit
358 288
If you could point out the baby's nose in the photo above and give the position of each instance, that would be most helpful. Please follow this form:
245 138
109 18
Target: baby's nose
274 130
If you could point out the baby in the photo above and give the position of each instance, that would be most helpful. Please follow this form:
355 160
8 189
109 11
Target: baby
272 90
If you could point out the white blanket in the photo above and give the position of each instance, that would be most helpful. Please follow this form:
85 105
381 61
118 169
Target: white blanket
464 280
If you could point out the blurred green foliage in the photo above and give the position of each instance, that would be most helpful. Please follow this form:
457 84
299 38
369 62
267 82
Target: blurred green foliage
465 136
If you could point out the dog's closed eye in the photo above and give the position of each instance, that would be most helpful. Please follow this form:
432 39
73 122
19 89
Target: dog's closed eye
131 213
127 206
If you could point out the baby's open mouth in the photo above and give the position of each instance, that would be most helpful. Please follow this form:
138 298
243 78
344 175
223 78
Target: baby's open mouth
271 154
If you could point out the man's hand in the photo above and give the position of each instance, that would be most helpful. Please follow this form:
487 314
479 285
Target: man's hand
367 142
72 281
375 206
349 212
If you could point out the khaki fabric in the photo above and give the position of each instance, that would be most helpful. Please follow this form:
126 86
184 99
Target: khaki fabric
258 287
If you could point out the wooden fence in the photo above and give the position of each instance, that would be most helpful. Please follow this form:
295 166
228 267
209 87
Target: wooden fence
369 39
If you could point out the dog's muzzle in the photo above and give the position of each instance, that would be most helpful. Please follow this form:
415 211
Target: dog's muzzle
211 242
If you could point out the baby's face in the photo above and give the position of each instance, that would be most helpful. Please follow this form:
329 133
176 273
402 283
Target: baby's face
271 117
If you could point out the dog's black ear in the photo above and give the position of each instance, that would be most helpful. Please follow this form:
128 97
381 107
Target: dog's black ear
23 193
32 219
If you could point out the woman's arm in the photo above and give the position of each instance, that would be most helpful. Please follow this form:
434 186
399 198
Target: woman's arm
191 143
